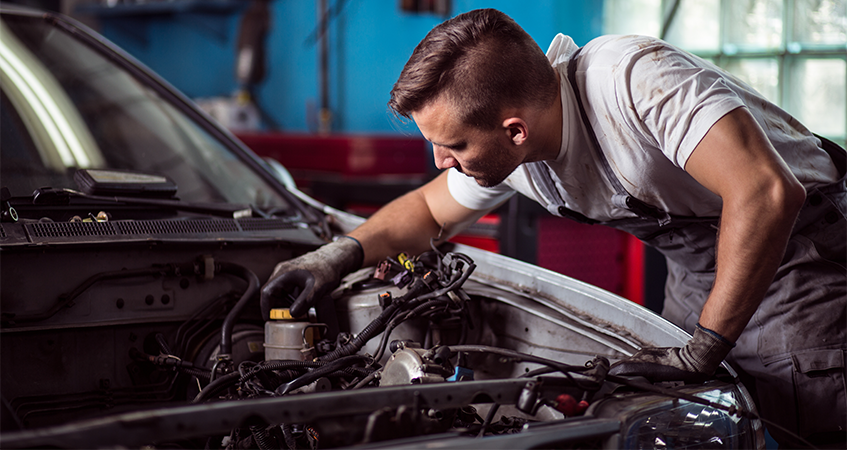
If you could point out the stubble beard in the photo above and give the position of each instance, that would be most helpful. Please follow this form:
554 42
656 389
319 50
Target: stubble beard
494 169
491 182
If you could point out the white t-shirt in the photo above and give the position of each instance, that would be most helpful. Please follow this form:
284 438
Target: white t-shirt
650 104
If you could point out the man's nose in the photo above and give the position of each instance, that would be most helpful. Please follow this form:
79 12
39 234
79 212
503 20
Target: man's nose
443 158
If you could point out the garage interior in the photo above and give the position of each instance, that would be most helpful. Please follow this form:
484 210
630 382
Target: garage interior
306 83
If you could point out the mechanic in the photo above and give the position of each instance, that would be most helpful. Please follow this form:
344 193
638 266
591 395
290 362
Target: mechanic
635 134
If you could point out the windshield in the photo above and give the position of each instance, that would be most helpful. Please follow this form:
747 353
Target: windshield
67 107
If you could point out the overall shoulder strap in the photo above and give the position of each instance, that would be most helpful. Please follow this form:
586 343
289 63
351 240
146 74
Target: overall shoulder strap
539 171
621 198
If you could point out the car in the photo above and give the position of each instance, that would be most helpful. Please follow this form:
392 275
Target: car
136 234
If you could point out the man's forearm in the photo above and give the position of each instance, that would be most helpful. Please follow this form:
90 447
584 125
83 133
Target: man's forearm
761 199
751 244
408 223
404 225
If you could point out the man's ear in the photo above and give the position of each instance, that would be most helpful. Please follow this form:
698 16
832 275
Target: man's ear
516 130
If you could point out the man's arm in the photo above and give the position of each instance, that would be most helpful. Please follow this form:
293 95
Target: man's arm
761 200
404 225
407 223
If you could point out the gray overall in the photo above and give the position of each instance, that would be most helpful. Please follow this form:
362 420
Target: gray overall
791 355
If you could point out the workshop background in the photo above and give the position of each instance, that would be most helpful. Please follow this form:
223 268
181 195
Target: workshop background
306 82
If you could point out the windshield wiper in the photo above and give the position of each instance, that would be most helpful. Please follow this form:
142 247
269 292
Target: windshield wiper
56 197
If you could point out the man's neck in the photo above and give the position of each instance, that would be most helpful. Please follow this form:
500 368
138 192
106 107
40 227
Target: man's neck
549 130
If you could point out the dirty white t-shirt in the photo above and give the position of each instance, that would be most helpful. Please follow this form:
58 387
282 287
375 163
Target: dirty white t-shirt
650 104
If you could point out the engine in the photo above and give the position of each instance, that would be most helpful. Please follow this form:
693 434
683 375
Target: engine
408 322
132 351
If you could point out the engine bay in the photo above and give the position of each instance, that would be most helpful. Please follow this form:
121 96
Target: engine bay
138 345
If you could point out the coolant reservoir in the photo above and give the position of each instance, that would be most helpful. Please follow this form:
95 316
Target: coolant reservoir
287 337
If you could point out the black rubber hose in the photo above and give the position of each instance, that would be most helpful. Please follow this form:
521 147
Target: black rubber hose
201 319
565 369
356 344
318 373
252 287
214 386
204 375
261 437
452 286
561 367
396 321
281 364
488 419
354 372
378 324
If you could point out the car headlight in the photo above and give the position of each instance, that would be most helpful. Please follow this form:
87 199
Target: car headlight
657 422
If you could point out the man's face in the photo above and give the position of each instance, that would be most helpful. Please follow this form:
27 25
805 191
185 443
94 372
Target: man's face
485 155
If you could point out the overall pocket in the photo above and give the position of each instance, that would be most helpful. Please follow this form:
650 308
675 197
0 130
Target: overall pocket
820 389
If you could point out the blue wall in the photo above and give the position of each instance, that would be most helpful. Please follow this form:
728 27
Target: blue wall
370 41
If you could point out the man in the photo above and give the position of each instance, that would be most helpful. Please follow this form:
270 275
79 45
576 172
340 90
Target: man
635 134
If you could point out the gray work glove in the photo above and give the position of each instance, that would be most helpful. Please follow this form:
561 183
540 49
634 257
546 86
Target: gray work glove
311 276
697 360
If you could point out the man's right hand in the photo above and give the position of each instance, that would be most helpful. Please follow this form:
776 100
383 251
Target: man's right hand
311 276
697 360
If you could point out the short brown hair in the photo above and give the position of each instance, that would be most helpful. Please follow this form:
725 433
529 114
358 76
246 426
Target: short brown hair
484 61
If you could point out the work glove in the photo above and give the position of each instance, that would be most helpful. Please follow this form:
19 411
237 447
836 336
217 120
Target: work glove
311 276
696 361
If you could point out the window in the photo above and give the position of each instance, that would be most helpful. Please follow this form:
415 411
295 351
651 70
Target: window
794 52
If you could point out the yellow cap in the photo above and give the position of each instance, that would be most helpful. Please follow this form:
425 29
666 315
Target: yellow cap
281 314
